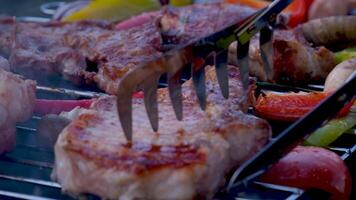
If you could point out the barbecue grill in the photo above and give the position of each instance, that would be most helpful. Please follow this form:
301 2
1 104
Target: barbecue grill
25 171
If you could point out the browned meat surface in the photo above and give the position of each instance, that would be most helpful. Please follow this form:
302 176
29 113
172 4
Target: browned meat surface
295 60
99 53
17 98
185 160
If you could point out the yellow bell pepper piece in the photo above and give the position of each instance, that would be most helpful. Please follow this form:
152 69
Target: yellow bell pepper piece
117 10
180 2
114 10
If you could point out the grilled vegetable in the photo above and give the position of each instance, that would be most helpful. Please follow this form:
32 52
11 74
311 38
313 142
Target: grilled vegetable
312 167
335 33
287 106
113 9
117 10
345 55
325 8
297 10
290 106
331 131
180 2
339 75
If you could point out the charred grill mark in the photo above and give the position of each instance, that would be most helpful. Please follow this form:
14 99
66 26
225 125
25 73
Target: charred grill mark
137 156
140 157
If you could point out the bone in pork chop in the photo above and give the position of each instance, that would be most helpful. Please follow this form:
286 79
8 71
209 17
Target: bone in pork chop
17 99
184 160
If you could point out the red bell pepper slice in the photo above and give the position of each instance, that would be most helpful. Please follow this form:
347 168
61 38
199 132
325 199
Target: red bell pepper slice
291 106
287 106
297 10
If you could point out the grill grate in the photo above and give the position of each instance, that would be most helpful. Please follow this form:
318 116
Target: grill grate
25 171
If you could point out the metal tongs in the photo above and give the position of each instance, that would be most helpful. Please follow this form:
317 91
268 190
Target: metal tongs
196 55
292 136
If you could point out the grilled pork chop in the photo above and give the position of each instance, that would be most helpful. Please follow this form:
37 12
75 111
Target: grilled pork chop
17 99
185 160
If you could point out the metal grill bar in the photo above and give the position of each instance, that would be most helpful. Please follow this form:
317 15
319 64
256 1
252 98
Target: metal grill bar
22 196
279 187
35 148
26 128
27 162
296 193
70 92
316 87
36 117
30 180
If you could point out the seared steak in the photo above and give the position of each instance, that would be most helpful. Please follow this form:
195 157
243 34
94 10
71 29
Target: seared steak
17 99
184 160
